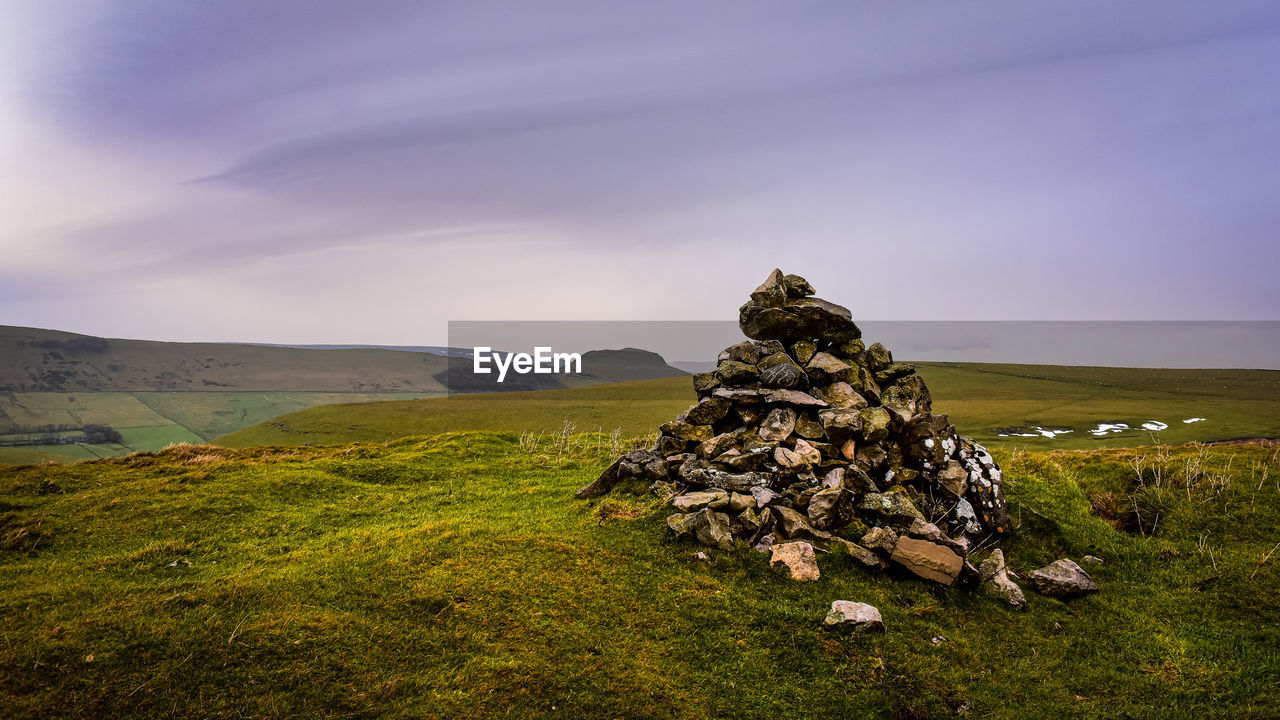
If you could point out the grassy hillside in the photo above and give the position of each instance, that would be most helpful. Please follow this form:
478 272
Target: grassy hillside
150 421
36 360
157 393
455 577
981 399
636 407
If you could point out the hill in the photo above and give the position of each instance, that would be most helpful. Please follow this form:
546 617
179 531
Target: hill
157 393
51 361
455 576
1024 405
35 360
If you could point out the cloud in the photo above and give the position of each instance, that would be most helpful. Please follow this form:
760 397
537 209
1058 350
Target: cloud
989 159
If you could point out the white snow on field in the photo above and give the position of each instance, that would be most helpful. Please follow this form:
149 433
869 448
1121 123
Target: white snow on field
1191 420
1105 428
1053 433
1154 425
1039 432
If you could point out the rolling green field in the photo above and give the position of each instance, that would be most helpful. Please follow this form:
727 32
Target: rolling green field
455 577
152 420
980 399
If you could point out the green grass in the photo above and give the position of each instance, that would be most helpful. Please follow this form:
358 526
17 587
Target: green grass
117 409
637 407
454 576
153 420
211 414
159 436
980 399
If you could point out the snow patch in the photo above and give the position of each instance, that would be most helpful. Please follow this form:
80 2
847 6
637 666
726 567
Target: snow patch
1107 428
1154 425
1191 420
1036 431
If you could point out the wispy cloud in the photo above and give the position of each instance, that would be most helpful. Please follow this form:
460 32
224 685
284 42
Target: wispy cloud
994 159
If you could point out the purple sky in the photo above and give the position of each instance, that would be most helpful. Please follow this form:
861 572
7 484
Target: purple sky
319 171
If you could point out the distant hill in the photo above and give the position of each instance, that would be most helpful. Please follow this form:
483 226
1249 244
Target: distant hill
1036 406
35 360
432 349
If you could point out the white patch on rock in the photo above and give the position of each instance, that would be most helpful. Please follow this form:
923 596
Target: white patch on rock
965 514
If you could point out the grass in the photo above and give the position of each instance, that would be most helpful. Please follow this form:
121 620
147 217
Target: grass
152 420
980 399
636 407
454 576
211 414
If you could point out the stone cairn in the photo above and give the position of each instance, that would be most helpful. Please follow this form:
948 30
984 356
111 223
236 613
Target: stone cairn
806 439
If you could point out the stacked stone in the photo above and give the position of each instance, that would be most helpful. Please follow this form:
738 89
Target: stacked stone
805 434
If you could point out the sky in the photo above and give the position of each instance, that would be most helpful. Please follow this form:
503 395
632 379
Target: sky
313 171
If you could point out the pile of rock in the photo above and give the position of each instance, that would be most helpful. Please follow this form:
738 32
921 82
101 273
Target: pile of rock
805 435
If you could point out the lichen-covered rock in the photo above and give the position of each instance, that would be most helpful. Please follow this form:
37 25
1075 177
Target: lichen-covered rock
808 427
705 382
840 424
842 395
894 508
707 411
795 526
646 466
803 351
825 368
741 501
687 431
1062 579
801 456
881 539
996 582
718 445
745 523
875 423
859 554
707 526
831 508
778 425
743 352
878 357
697 472
693 501
797 559
734 373
953 480
855 616
799 400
